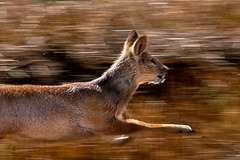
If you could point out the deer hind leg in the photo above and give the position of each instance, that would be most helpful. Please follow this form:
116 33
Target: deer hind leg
122 140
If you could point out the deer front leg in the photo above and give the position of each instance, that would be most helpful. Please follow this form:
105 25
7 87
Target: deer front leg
167 127
125 115
132 125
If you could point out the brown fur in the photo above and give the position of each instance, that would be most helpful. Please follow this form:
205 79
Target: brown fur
82 109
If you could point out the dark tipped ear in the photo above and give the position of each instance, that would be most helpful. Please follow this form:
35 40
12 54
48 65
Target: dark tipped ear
139 45
131 38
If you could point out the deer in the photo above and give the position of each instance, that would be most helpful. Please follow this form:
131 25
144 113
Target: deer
84 109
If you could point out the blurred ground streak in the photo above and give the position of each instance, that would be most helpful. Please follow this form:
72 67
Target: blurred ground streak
55 42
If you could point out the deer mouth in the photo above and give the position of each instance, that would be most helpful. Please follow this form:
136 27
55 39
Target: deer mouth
159 79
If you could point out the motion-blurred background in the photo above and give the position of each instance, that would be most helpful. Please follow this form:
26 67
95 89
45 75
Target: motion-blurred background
56 42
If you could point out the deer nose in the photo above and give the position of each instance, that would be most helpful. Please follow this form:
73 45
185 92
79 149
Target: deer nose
165 69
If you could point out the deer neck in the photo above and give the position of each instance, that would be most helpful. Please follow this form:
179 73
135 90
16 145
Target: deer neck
119 82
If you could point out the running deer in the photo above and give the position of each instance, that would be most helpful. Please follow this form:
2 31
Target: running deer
77 110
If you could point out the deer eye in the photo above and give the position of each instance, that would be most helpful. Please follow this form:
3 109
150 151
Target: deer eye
153 61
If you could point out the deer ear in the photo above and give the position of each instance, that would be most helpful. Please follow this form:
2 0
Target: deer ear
139 45
131 38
